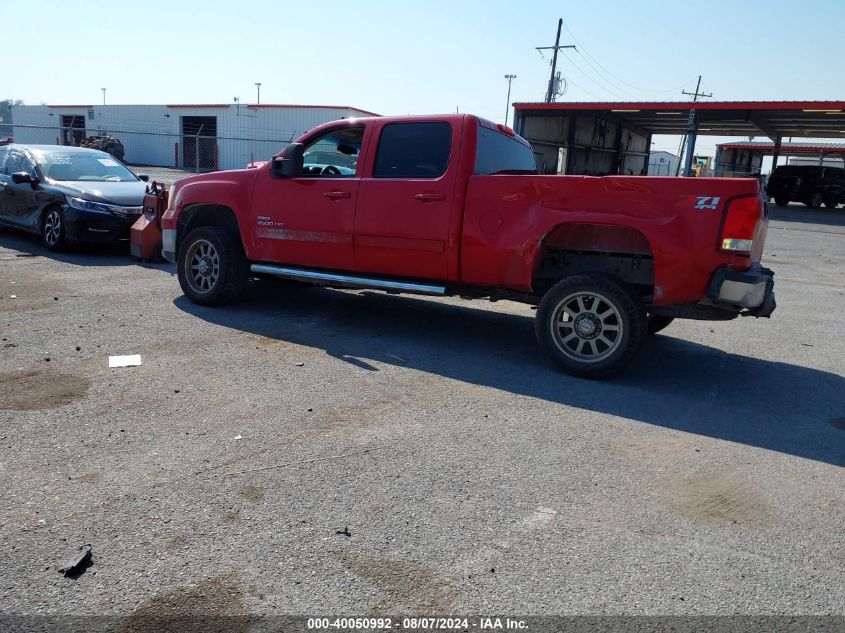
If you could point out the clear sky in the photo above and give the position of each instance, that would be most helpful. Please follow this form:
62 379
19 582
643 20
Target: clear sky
395 57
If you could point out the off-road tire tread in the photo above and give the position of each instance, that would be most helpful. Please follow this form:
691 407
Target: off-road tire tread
625 299
234 268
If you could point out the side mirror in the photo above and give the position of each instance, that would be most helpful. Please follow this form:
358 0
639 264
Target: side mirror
21 178
290 163
143 177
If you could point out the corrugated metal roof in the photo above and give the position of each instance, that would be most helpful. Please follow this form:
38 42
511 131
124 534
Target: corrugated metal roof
800 119
820 105
786 147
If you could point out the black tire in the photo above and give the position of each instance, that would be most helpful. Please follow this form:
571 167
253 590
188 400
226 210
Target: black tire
221 272
830 204
781 202
815 202
602 314
655 323
53 229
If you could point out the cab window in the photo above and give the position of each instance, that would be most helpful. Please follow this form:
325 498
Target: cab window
334 154
498 153
413 150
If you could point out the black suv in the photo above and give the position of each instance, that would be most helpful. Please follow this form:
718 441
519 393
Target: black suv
809 184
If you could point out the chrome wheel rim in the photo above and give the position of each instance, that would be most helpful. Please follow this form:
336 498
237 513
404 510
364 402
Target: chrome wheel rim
202 266
587 327
52 228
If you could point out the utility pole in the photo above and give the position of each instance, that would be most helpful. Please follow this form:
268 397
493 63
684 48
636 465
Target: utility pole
550 93
510 78
258 96
104 95
692 130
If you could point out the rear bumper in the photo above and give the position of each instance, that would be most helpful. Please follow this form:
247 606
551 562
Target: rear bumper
751 290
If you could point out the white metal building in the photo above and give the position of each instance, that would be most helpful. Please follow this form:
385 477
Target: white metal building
662 163
183 136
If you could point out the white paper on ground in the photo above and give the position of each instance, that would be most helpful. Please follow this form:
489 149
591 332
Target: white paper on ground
133 360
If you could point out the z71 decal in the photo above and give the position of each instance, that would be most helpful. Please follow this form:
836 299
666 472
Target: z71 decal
707 202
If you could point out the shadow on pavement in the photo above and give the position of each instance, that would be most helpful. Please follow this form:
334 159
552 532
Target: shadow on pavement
109 254
674 384
800 213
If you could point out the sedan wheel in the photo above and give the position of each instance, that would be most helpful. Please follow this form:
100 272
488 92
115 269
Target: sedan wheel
53 230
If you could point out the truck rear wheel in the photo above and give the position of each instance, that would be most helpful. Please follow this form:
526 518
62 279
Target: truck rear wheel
211 266
815 201
591 325
781 202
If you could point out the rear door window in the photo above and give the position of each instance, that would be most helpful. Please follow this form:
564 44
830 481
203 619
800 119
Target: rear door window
413 150
499 153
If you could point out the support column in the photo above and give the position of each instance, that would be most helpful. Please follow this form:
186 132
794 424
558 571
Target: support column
776 153
617 150
692 133
570 142
647 158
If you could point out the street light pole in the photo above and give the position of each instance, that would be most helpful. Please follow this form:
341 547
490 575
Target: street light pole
104 95
510 78
258 87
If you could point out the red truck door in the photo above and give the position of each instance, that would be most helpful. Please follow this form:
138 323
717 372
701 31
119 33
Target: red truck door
309 220
405 202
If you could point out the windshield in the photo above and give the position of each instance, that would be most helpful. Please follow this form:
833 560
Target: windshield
797 170
83 166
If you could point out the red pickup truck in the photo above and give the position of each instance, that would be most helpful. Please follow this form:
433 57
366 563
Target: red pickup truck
454 205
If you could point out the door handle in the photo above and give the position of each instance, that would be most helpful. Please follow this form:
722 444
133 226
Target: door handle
337 195
430 197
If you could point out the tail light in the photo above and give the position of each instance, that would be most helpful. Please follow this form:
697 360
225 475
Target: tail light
740 224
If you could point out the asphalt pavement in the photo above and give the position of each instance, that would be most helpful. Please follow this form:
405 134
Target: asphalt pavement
314 451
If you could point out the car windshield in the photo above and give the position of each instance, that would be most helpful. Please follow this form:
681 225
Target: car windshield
83 166
797 170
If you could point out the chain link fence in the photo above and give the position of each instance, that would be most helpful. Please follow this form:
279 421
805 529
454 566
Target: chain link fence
163 156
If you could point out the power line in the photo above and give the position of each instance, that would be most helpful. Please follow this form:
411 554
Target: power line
606 89
583 89
606 71
616 88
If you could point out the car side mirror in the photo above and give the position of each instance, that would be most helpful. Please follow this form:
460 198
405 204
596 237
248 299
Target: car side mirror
290 164
144 177
22 177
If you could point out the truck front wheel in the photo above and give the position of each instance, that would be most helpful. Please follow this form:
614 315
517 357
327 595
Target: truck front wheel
211 266
591 325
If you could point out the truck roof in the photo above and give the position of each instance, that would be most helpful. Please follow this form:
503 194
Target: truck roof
449 118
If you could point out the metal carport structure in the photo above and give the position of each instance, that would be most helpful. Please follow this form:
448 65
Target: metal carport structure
615 137
745 159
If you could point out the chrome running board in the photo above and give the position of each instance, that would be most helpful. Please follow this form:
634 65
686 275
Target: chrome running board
351 281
